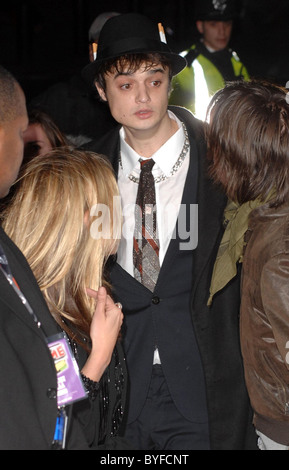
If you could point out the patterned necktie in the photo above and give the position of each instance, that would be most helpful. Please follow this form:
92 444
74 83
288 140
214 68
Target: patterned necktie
145 242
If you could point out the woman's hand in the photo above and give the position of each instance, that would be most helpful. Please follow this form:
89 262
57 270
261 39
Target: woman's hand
104 331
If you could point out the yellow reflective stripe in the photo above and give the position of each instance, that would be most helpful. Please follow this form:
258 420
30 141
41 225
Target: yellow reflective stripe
202 96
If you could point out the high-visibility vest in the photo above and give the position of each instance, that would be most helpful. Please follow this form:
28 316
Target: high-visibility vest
195 85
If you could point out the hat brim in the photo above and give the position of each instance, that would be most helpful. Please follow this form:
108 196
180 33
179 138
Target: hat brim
216 17
178 63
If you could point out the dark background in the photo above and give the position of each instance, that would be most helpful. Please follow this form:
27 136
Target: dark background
45 41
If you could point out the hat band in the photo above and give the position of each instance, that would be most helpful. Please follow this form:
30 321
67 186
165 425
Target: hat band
131 45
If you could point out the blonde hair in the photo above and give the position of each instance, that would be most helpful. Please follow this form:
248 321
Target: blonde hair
50 218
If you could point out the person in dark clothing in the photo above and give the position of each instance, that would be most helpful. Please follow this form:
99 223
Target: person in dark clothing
185 369
210 61
75 106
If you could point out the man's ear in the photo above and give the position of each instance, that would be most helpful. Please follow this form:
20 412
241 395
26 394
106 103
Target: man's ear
200 26
101 91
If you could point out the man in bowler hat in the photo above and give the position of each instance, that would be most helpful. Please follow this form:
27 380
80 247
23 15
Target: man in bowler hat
186 376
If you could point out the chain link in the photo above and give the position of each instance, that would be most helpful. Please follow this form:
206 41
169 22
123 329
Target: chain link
176 166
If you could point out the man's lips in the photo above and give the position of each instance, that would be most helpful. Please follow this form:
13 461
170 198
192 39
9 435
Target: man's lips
143 113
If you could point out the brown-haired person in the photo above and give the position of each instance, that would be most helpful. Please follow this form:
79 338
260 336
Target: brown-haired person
248 139
42 135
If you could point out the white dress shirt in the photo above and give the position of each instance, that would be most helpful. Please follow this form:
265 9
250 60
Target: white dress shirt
168 192
168 195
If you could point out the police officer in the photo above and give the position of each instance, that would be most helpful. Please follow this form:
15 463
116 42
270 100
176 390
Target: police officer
210 62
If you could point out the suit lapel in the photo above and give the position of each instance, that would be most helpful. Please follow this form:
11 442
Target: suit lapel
12 301
211 204
183 222
29 288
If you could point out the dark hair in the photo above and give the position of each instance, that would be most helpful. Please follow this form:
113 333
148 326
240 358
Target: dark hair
54 134
248 141
131 63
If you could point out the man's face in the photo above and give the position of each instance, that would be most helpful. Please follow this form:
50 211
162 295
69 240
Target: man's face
11 147
216 34
137 100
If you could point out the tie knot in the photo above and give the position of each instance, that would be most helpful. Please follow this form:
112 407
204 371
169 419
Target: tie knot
147 165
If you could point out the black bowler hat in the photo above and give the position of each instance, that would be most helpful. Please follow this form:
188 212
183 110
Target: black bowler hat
131 33
216 10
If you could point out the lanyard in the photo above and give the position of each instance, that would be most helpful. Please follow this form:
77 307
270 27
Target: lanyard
61 420
5 268
59 438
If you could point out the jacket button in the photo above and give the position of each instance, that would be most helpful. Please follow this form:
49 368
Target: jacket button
51 393
156 300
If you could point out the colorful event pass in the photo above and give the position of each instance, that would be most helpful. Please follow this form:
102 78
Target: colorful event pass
69 384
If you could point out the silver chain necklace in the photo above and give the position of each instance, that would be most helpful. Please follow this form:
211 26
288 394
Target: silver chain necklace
176 166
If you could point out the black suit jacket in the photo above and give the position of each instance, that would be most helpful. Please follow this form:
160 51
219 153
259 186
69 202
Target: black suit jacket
213 332
28 378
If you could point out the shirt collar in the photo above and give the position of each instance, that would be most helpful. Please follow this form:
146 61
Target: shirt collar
165 157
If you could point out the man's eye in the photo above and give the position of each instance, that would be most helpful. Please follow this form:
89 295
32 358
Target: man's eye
126 86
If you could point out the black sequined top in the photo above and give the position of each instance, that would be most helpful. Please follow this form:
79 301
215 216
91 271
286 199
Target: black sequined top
101 415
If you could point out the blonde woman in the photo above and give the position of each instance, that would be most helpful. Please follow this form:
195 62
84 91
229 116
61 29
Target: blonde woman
64 217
